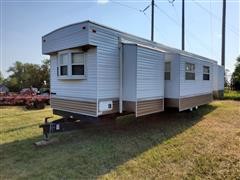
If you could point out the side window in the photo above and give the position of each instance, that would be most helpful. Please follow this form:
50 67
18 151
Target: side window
189 71
71 65
167 74
206 73
63 64
78 60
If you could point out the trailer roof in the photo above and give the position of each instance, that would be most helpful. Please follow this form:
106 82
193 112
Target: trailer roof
160 46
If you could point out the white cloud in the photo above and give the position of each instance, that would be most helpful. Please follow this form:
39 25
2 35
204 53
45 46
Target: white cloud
102 1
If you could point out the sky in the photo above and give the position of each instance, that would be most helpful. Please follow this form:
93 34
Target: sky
24 22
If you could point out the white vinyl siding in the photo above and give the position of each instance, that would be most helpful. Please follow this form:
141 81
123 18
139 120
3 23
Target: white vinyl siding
65 38
77 89
129 72
150 74
172 86
198 86
107 62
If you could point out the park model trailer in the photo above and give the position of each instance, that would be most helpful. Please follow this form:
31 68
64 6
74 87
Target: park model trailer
96 70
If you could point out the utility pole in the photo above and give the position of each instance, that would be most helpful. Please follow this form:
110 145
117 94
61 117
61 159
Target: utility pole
183 25
223 32
152 24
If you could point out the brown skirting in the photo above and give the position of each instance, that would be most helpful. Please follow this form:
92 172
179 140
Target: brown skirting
190 102
129 106
170 102
149 107
79 107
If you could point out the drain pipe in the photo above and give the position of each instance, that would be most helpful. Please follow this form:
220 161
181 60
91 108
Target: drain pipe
121 76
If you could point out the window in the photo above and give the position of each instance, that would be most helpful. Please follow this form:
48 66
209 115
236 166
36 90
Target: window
63 64
206 73
71 65
189 71
77 64
167 70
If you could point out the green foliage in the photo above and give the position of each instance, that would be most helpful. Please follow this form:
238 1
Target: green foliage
1 78
236 75
233 95
25 75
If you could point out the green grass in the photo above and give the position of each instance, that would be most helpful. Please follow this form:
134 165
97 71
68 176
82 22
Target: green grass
232 95
203 144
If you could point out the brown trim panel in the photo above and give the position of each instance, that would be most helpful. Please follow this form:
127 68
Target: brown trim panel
149 107
170 102
129 106
79 107
190 102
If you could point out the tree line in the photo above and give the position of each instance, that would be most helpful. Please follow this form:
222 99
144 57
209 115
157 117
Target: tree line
25 75
235 79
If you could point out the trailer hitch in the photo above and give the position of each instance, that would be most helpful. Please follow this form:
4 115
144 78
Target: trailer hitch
59 125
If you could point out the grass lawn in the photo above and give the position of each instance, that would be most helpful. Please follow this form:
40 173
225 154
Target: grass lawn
204 144
234 95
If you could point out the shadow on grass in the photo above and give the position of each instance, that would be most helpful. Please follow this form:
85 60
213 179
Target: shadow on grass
92 152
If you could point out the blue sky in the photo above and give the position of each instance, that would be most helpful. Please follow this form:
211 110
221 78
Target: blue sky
24 22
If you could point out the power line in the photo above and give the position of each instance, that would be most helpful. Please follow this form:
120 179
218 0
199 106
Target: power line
140 11
125 5
179 25
230 27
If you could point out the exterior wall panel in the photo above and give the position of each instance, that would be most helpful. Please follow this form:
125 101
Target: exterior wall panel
197 86
65 38
78 89
172 86
150 74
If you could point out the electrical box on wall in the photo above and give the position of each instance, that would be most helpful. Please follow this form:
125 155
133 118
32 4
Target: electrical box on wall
105 106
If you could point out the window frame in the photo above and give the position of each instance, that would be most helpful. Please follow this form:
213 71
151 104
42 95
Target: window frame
84 64
62 65
167 71
70 64
208 73
191 71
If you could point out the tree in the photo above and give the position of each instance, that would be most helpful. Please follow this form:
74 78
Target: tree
1 78
236 75
25 75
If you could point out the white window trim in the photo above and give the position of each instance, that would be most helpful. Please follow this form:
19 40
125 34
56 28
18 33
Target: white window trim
190 71
69 64
206 73
170 63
